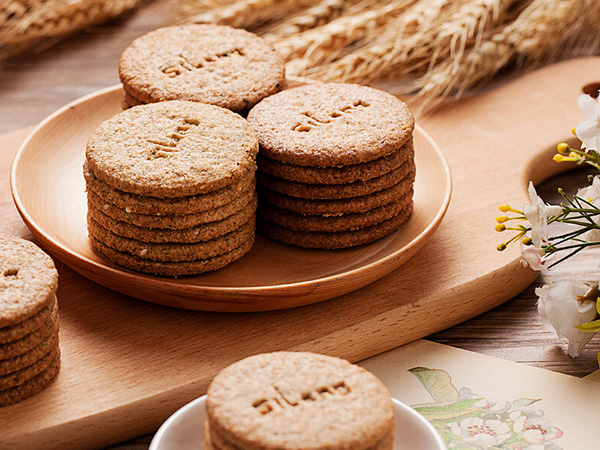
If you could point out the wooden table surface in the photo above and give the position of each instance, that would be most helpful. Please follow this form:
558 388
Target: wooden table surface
34 85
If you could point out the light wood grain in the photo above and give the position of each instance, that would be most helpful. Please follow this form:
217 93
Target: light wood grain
35 85
120 352
49 191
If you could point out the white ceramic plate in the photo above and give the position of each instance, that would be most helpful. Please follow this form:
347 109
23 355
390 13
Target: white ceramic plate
184 431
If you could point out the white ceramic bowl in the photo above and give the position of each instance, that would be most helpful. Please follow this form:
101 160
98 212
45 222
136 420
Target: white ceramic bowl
183 430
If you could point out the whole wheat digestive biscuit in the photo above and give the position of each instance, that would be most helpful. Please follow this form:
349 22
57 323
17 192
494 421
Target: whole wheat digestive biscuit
298 400
178 149
170 206
173 269
343 222
26 359
18 347
173 222
172 252
28 280
335 191
339 206
22 375
215 441
331 124
203 232
17 331
130 100
32 386
213 64
337 175
334 240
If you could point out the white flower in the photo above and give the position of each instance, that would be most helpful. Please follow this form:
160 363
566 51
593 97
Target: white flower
560 307
591 194
532 257
537 214
588 131
476 431
537 430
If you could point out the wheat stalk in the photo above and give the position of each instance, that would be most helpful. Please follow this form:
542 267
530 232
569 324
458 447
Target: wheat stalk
316 45
28 23
317 15
534 35
250 13
369 62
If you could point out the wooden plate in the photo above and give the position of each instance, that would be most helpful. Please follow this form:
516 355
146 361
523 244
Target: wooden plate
49 191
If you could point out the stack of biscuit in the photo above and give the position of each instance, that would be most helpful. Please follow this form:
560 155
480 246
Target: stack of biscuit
335 166
214 64
292 400
171 188
29 350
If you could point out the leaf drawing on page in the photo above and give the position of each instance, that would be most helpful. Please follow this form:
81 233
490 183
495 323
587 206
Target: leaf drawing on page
468 421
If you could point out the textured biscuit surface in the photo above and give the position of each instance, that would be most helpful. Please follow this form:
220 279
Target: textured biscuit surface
332 240
339 206
173 269
178 149
212 64
342 222
298 400
173 222
26 359
336 191
169 206
18 347
202 232
20 376
17 331
28 280
331 124
172 252
31 386
337 175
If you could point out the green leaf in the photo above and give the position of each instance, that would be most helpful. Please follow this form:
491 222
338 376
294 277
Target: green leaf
598 305
593 326
437 382
522 402
450 412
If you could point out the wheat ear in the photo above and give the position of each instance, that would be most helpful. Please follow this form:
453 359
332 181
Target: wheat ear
535 33
320 44
29 23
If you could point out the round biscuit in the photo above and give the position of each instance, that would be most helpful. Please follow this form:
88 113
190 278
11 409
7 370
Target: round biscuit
178 149
172 252
26 359
170 206
14 332
214 64
20 376
32 386
130 100
334 240
335 191
298 400
172 222
338 206
333 223
337 175
173 269
331 124
28 280
203 232
11 349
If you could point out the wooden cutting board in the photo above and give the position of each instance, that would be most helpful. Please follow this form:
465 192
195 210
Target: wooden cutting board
128 364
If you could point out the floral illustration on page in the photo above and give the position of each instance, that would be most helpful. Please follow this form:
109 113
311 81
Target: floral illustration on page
467 421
